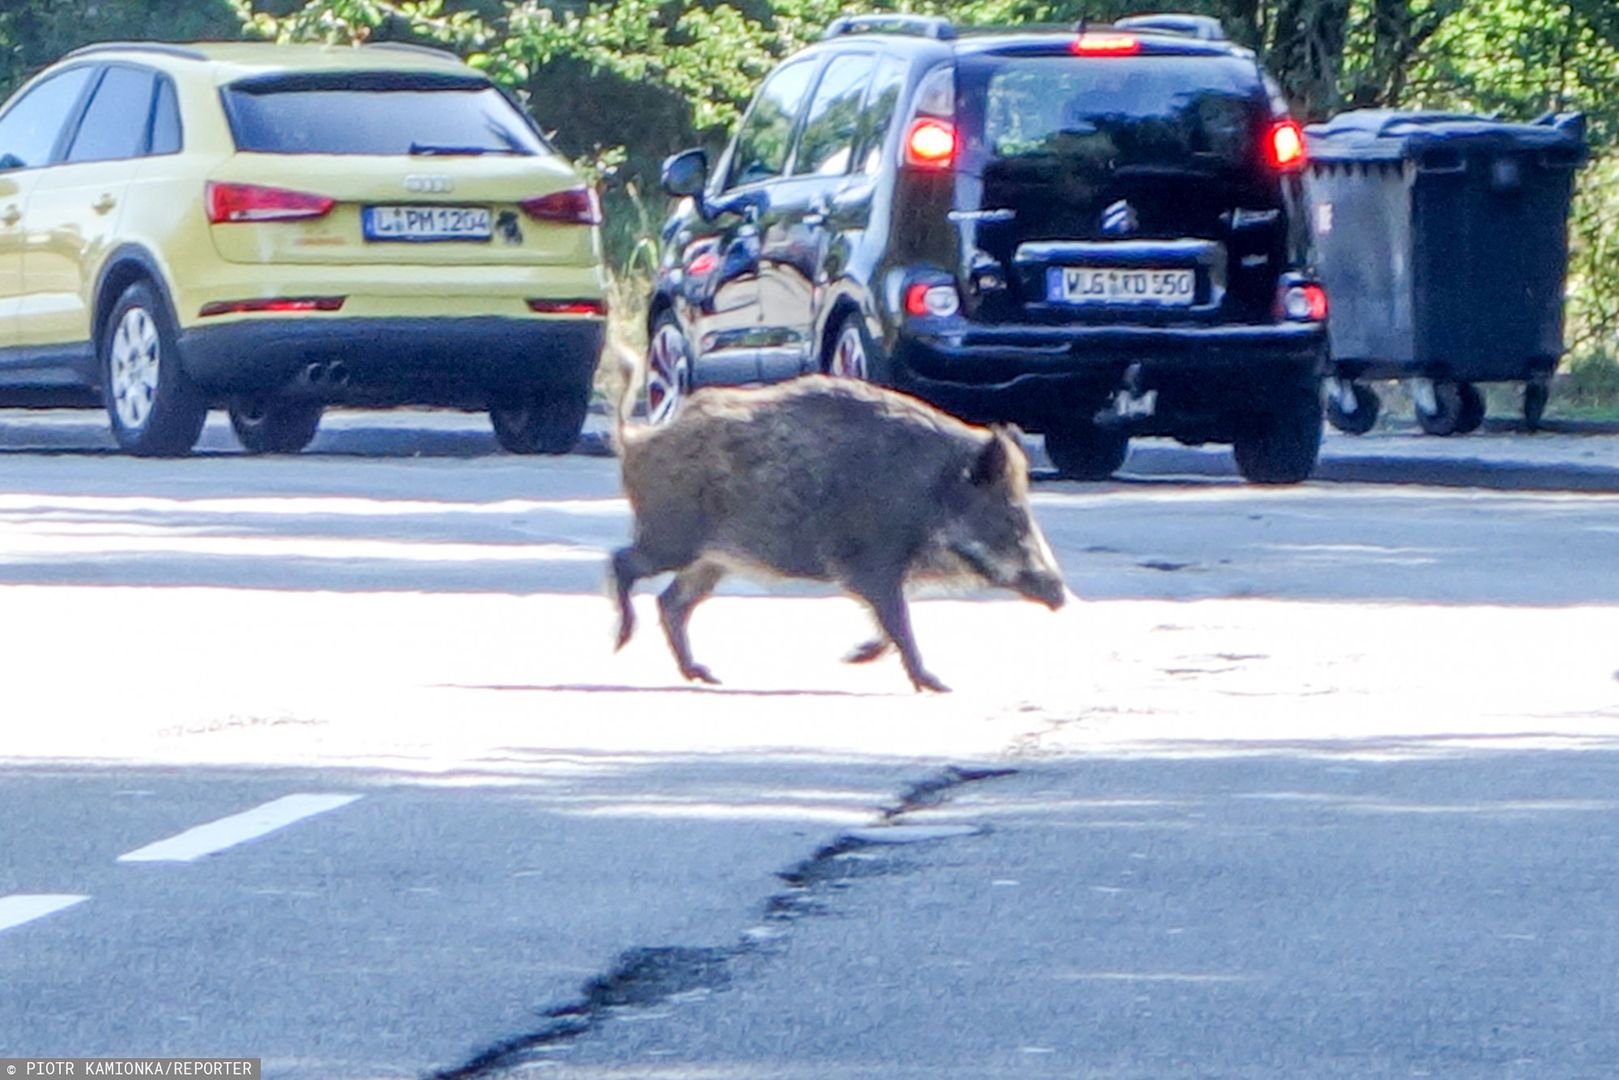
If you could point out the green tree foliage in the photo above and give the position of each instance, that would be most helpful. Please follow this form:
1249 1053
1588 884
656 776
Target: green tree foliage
622 84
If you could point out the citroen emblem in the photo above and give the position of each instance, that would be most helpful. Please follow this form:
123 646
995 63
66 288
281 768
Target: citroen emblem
1120 219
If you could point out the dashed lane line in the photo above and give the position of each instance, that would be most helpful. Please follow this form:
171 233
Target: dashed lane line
20 908
236 829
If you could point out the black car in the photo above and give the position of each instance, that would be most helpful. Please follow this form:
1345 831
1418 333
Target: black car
1092 233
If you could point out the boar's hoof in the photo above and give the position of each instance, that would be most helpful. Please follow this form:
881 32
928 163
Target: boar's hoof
867 651
926 680
699 673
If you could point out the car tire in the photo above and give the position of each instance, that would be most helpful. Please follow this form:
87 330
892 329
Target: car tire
274 427
1281 447
153 408
1363 419
1535 395
668 369
1472 411
544 422
1083 451
852 353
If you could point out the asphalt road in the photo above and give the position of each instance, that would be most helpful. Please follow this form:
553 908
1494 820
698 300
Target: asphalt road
328 760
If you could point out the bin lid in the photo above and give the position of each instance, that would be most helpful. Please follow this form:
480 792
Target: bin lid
1394 135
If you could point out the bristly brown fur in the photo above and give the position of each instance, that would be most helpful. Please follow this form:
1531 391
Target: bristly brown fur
830 480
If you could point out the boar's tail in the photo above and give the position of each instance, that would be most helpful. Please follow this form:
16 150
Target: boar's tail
631 374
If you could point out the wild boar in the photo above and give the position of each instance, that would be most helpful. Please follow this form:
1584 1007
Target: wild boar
830 480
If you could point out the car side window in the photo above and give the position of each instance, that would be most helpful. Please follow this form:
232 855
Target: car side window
881 105
767 133
827 145
30 129
115 124
166 138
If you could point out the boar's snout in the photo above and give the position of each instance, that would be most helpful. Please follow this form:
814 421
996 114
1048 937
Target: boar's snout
1044 587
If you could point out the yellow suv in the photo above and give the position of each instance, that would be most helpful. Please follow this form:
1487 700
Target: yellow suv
279 228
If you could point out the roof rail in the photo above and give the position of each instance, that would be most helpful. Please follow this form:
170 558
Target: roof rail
413 47
933 26
1202 27
162 48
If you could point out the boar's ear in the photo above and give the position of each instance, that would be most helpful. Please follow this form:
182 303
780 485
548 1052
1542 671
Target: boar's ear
991 464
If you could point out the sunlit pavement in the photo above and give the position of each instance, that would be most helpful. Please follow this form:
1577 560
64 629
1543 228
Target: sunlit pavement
215 633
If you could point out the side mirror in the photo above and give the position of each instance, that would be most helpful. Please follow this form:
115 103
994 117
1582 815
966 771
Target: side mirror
686 174
11 161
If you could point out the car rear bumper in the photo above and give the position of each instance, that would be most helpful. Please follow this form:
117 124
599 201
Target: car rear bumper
1025 373
400 361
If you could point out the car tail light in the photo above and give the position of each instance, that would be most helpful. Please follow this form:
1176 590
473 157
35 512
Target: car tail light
939 301
1285 147
1106 44
568 307
931 143
1302 303
576 206
275 303
229 203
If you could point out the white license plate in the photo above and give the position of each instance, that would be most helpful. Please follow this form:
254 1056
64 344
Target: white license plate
426 223
1120 285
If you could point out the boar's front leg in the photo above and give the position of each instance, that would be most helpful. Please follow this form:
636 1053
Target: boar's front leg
689 588
867 651
886 595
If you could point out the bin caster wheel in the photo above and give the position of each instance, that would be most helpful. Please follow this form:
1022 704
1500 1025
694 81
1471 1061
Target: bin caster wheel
1535 394
1458 409
1361 414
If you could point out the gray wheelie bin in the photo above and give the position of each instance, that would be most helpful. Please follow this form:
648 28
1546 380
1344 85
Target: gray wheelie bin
1442 240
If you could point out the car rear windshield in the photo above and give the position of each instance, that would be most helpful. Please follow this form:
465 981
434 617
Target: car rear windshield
1118 112
376 114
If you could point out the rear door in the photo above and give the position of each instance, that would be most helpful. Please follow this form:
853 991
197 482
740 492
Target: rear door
72 217
31 131
792 224
1123 188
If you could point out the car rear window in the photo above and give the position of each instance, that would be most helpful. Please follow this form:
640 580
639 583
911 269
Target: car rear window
1147 110
372 113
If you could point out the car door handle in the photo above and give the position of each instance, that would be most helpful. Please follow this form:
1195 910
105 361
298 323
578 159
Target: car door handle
11 216
103 204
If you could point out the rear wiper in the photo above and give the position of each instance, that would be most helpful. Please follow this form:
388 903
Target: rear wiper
430 150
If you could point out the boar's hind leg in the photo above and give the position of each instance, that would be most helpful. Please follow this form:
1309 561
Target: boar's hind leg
629 566
887 600
689 588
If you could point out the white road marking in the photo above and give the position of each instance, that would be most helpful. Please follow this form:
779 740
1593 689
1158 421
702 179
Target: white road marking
227 832
24 907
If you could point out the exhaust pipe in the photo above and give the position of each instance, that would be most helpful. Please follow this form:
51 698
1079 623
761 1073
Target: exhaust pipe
315 374
338 375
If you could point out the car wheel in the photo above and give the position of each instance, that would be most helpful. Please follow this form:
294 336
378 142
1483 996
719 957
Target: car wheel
154 410
265 426
1083 451
1281 447
668 369
544 422
1364 416
853 354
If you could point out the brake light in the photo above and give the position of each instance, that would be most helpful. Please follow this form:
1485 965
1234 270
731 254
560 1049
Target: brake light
277 303
1106 44
931 143
576 206
940 301
228 203
1302 303
1285 147
568 307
